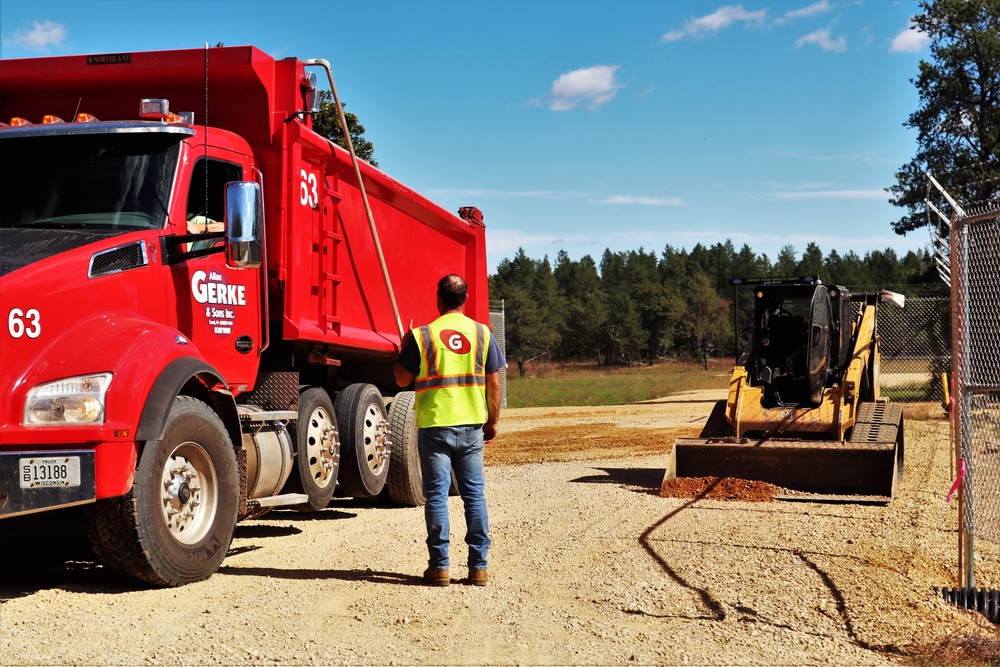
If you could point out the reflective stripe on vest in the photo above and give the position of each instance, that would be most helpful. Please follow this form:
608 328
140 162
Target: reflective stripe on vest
450 386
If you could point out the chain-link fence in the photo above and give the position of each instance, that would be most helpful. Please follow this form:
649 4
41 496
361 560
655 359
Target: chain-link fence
975 274
915 344
497 327
975 269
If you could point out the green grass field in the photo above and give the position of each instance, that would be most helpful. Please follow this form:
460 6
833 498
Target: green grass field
552 385
557 385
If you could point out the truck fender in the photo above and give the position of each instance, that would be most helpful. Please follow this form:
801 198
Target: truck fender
191 377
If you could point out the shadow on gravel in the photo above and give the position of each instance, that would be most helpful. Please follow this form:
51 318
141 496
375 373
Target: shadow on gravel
647 479
55 563
371 576
249 531
292 515
51 552
715 609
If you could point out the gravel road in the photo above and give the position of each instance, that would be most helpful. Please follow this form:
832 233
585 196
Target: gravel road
589 566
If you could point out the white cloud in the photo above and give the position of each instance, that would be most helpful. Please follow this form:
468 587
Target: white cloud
834 194
505 242
475 193
910 40
814 9
40 37
468 194
823 39
864 157
596 85
714 22
642 201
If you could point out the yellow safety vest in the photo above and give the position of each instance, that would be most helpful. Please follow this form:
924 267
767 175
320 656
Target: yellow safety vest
451 385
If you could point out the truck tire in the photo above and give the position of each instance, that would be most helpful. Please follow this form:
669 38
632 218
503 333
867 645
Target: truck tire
405 482
364 431
175 525
317 450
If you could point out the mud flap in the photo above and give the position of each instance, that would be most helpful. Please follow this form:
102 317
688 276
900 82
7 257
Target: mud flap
867 467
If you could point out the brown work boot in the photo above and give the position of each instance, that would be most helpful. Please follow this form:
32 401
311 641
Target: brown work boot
478 577
436 577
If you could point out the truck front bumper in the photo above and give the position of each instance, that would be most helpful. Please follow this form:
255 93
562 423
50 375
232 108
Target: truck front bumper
44 480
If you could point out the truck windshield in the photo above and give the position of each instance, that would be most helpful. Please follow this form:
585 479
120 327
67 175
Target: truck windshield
112 182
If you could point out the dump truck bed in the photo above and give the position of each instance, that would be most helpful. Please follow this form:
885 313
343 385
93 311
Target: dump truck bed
325 279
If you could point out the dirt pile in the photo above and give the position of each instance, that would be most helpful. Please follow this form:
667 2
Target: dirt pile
719 488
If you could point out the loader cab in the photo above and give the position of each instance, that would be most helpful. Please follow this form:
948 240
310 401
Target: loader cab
791 343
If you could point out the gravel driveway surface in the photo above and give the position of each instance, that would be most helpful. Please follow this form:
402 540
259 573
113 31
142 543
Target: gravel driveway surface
590 566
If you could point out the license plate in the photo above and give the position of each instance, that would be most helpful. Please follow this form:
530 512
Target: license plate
49 471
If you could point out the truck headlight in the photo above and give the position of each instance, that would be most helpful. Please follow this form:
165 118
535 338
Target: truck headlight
76 400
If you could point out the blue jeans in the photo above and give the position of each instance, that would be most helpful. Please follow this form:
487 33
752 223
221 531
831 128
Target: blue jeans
442 450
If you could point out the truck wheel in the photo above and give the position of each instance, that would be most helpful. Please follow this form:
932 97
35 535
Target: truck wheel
405 482
317 450
175 525
364 440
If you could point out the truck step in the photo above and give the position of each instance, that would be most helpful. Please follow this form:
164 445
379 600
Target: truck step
252 413
279 500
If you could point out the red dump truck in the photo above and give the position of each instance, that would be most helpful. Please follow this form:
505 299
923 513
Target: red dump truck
200 310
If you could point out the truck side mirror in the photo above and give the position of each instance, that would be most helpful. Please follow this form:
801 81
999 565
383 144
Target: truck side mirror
244 225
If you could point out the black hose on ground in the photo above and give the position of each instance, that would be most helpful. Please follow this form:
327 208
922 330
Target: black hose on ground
985 601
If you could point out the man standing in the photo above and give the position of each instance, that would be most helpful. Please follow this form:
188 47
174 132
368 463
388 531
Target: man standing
454 363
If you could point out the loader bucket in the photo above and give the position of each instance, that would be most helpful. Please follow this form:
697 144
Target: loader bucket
865 467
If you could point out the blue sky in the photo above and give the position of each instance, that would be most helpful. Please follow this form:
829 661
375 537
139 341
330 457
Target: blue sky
582 125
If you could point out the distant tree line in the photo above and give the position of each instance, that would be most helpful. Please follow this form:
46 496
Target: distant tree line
638 307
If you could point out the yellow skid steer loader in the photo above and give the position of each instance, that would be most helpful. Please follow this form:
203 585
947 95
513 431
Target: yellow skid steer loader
804 411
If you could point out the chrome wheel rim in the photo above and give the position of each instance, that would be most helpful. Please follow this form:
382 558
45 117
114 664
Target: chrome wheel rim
322 449
189 498
376 439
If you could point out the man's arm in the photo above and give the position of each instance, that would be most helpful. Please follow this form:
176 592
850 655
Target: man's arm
403 376
492 406
408 355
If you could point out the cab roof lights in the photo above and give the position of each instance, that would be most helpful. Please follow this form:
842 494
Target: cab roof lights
49 119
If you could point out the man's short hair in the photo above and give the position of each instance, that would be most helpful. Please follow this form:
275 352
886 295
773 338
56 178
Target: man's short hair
452 291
